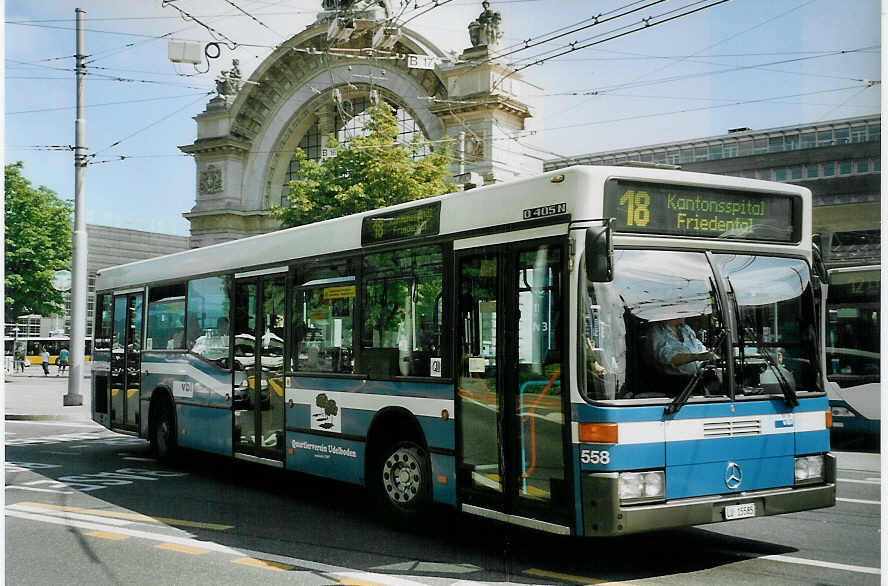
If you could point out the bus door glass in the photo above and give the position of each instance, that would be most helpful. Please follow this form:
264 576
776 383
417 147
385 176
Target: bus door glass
510 403
258 364
126 363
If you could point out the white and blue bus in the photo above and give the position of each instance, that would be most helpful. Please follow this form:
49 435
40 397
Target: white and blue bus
500 351
852 352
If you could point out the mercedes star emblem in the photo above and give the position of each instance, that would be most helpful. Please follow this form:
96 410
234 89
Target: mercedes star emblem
733 475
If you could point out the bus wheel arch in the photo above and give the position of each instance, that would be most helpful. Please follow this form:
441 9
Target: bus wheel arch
398 467
162 423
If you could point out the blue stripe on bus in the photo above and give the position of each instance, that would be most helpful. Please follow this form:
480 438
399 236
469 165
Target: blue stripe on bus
205 429
331 457
582 412
812 442
729 448
709 478
624 457
439 434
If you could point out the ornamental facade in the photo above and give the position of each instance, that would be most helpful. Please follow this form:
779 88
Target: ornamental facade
322 81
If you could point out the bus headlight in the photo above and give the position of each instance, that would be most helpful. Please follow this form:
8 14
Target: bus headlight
642 485
841 411
808 469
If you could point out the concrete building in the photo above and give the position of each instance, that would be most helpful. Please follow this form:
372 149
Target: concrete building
322 80
838 160
106 246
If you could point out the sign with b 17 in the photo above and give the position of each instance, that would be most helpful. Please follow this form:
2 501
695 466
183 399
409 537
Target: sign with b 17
421 61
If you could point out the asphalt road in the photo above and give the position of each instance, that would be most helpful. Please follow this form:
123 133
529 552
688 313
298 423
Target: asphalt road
84 505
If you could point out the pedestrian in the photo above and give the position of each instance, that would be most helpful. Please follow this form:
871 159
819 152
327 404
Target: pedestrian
44 360
19 361
62 362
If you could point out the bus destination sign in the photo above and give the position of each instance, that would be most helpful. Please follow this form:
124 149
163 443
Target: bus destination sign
423 220
702 212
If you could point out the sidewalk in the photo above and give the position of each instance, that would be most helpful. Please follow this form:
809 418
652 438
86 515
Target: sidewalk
33 396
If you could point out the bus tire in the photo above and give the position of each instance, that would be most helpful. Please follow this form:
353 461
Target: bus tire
400 482
163 431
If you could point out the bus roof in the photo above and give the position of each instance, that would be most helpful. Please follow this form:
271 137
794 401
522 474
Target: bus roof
461 212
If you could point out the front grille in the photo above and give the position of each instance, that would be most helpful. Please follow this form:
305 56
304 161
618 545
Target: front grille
732 427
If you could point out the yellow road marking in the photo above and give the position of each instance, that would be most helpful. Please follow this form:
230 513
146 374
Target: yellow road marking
181 548
356 582
131 516
107 535
568 577
264 564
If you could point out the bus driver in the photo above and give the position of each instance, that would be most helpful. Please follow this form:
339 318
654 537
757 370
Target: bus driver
678 351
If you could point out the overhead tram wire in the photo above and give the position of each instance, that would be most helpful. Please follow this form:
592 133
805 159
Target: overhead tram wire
598 20
254 18
647 24
123 102
568 47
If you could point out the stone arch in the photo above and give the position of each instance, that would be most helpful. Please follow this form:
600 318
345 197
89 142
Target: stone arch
290 121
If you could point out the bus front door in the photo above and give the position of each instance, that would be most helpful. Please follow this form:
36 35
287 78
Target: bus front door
126 361
258 349
512 439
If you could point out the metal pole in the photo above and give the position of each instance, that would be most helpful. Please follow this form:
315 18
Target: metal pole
78 262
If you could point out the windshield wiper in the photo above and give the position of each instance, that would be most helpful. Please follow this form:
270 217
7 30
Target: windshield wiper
682 398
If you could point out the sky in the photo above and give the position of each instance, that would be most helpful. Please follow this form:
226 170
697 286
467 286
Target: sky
739 63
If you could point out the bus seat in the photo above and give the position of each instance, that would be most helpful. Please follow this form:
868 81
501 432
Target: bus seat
379 362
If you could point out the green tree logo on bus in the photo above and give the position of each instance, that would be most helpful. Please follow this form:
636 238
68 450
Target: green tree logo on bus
330 410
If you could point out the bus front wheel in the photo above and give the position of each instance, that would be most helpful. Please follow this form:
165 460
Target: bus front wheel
401 481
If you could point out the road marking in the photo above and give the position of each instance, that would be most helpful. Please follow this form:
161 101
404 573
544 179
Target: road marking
567 577
107 535
95 426
35 489
338 571
66 514
806 562
264 564
854 480
182 548
122 515
859 501
356 582
135 459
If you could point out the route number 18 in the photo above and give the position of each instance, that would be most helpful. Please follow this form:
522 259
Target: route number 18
638 210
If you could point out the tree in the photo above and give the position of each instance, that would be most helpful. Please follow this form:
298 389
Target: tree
373 171
38 243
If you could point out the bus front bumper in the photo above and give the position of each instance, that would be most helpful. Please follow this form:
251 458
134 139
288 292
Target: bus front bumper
604 515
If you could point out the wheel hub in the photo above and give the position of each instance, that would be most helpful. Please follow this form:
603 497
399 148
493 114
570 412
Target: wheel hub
401 475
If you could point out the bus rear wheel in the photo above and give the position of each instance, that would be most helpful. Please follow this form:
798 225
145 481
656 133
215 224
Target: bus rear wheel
401 482
163 436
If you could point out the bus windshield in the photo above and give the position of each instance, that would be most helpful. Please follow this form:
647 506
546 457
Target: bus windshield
663 325
852 337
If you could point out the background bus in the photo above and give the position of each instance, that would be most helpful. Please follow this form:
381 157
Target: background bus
31 346
496 351
852 352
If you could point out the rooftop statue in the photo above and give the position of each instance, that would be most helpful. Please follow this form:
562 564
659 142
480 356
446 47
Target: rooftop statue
365 9
485 31
229 83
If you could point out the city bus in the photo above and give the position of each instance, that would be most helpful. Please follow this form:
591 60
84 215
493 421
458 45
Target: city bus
852 352
496 351
31 346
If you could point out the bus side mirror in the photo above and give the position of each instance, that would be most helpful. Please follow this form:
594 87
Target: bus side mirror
599 253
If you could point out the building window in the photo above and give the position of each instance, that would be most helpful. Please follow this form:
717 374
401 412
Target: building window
858 134
646 158
795 172
813 171
701 153
780 174
775 144
686 156
660 157
842 136
875 132
792 142
829 169
764 174
759 146
824 138
808 140
673 158
731 149
863 166
745 147
845 167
